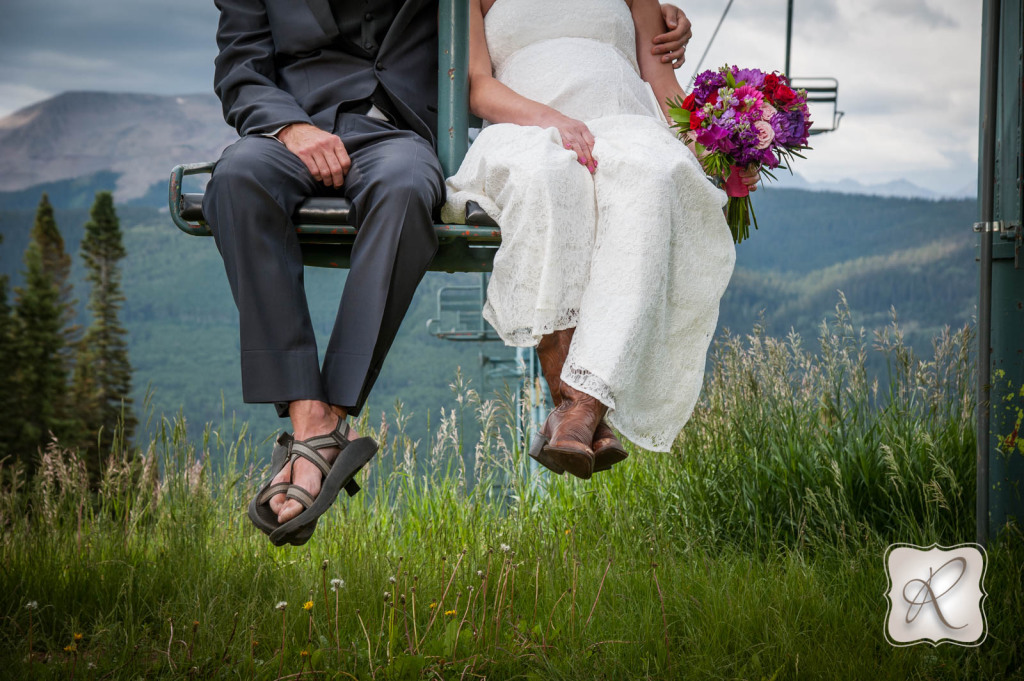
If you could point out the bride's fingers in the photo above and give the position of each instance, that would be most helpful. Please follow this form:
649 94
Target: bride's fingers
589 140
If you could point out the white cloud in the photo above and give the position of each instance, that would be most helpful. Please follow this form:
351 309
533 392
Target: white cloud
14 96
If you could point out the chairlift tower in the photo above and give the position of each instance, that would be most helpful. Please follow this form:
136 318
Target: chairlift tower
459 318
1000 427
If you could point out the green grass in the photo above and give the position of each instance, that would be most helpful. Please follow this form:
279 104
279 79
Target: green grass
752 551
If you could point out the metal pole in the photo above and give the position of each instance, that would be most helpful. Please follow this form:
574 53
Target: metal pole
989 104
789 35
452 84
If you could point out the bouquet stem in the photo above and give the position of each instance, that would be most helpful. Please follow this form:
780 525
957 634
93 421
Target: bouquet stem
738 209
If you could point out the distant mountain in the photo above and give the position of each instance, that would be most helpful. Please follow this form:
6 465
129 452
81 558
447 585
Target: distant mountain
903 189
138 138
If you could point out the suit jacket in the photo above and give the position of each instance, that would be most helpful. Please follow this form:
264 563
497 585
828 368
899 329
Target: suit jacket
287 61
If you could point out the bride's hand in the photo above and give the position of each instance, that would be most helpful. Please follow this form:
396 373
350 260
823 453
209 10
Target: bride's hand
751 176
577 137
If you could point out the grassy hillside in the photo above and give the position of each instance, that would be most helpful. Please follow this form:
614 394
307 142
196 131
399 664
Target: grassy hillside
912 254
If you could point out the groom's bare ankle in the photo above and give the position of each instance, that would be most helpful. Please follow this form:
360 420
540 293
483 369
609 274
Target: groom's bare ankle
311 418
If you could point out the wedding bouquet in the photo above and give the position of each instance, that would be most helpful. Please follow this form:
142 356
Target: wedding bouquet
742 118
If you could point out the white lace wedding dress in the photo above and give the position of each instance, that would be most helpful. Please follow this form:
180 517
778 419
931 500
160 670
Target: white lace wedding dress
636 256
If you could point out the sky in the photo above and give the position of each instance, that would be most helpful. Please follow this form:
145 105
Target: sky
908 70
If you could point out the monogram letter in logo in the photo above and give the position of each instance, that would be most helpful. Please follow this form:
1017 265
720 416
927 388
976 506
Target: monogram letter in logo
935 594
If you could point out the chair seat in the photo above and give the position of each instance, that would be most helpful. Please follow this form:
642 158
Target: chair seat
325 230
324 210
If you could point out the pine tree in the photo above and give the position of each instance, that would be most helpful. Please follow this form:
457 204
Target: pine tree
56 263
103 374
40 373
9 403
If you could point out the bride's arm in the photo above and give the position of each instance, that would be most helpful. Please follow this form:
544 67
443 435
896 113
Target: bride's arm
497 103
647 19
660 75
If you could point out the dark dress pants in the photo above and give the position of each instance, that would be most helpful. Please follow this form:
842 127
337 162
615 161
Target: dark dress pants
394 183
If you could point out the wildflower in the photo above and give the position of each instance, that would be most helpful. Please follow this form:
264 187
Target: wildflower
387 596
449 612
433 605
32 605
392 580
70 648
480 574
505 548
304 653
78 637
281 605
567 530
337 584
308 605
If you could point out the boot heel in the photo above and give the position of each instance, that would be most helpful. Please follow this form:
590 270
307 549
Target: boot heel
541 454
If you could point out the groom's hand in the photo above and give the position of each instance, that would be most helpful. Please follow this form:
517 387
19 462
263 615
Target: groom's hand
672 45
323 153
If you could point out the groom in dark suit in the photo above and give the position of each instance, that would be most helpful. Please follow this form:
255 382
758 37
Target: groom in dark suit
335 97
329 97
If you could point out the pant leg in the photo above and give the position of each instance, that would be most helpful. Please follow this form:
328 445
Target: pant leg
395 183
255 188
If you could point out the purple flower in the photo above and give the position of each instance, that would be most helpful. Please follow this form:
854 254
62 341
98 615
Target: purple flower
715 138
706 83
753 77
795 126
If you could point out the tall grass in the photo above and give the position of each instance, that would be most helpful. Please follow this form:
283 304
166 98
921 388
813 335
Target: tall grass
753 550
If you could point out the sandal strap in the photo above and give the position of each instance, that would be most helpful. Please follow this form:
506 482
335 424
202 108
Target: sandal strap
303 449
336 438
273 491
301 495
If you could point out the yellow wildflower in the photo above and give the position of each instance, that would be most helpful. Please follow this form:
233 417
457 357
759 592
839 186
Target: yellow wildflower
78 637
449 612
304 653
70 648
433 605
308 605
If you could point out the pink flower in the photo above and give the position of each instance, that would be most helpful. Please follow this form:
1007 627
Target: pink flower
750 97
765 134
767 111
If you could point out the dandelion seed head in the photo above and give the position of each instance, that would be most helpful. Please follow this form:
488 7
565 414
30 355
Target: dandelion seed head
281 605
387 596
392 580
32 605
337 584
480 574
505 548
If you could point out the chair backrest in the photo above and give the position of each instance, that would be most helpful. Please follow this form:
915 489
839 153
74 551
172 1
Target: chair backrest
453 117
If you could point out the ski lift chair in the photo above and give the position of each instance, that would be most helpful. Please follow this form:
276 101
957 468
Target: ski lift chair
323 224
822 92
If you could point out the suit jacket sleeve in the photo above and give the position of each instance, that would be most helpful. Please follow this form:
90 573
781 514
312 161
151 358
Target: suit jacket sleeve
245 75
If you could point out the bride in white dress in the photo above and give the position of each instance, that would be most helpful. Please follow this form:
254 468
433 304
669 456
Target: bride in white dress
615 251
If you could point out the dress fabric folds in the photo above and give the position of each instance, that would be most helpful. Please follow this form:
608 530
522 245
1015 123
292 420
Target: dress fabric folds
636 256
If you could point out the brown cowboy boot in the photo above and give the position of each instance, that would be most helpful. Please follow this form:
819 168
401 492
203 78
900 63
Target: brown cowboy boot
607 449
